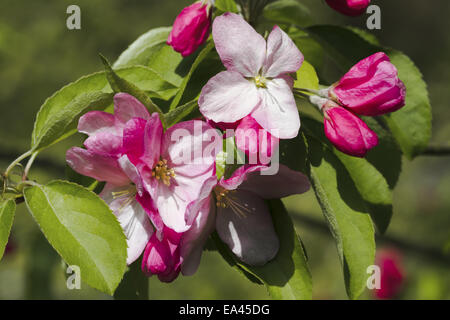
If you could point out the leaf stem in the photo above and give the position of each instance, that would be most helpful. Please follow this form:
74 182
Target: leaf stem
437 151
29 164
16 162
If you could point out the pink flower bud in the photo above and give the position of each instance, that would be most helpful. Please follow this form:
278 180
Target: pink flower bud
392 274
162 257
347 132
256 142
371 87
349 7
190 29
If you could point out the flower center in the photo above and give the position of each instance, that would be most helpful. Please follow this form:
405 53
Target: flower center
225 199
260 81
163 172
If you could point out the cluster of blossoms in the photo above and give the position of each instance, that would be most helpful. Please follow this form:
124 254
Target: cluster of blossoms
161 183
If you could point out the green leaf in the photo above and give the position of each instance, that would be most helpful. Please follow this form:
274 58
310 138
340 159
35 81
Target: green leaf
58 116
287 276
178 114
7 211
170 65
226 5
82 229
141 51
411 125
119 84
346 214
202 55
307 77
370 183
64 122
289 12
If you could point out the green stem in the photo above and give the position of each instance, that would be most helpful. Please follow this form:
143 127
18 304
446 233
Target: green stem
29 164
16 162
437 151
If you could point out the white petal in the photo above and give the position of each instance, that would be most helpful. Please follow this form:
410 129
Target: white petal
278 112
228 97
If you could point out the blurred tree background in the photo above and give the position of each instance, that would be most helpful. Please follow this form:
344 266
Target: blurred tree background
39 55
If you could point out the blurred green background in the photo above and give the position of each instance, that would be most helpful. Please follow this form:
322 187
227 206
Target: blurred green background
38 55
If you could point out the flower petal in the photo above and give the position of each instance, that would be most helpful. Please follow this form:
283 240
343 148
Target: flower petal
132 218
239 46
228 97
97 166
239 176
95 121
285 183
283 56
127 107
142 140
104 142
246 227
195 238
278 112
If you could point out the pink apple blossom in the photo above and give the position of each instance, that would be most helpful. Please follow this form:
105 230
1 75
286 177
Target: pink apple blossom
371 87
174 165
104 160
242 217
349 7
256 81
191 28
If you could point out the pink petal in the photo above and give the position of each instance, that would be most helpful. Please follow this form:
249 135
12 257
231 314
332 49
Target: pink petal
347 132
228 97
97 166
162 257
127 107
132 218
285 183
142 140
105 142
190 149
95 121
371 87
239 176
278 112
283 56
147 203
195 238
256 142
132 173
240 47
247 228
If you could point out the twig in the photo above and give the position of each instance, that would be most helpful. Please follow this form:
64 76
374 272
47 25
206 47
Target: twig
414 248
437 151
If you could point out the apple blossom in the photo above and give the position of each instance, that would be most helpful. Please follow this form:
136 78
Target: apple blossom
256 81
173 165
242 218
104 160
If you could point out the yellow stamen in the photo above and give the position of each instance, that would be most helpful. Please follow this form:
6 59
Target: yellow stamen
260 81
163 172
226 199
